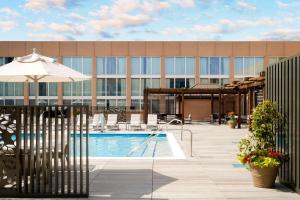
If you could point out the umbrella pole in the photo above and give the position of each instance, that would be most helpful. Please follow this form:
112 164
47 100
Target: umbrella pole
36 90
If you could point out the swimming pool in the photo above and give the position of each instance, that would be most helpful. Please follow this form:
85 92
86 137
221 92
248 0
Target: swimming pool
131 145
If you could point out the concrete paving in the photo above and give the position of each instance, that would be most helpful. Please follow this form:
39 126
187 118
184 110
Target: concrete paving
212 173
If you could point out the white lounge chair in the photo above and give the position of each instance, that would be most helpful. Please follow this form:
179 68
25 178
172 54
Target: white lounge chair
152 122
188 120
135 122
95 121
112 122
83 122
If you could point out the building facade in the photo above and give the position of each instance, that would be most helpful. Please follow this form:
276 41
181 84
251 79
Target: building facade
121 70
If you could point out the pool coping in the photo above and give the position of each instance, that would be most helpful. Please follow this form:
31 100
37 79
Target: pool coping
175 148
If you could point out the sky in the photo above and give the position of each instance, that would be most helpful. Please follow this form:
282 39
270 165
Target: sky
150 20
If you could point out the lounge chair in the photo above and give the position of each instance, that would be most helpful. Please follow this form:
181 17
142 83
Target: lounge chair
188 120
83 122
152 122
135 122
95 121
101 122
112 122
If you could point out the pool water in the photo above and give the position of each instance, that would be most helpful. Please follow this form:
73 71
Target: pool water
126 145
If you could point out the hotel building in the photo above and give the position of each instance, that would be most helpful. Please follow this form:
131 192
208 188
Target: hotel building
121 70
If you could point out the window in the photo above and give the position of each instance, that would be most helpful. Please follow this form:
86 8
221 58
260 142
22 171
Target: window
111 65
111 87
180 65
139 84
180 82
248 66
214 66
78 88
145 66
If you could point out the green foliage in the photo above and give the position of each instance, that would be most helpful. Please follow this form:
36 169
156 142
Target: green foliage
258 148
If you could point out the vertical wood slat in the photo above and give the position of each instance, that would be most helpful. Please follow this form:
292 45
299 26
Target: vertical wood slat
298 122
294 172
50 150
62 152
37 151
44 156
18 149
31 166
81 148
87 150
56 182
68 150
25 163
74 150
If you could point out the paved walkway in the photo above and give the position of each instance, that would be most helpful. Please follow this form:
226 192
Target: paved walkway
212 173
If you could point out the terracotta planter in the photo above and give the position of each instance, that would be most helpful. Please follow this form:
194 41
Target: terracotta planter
264 177
232 124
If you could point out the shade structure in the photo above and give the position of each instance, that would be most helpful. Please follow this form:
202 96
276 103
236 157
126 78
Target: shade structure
37 68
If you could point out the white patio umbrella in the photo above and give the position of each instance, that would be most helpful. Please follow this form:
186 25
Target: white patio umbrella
37 68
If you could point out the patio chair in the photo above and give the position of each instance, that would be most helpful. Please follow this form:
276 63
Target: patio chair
135 122
152 122
83 121
112 122
101 122
188 120
95 121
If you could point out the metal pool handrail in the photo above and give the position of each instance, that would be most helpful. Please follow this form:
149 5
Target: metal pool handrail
181 133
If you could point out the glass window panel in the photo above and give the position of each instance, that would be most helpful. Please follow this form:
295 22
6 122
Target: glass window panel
2 89
146 65
77 88
224 81
43 89
8 59
19 89
9 102
155 106
169 65
204 69
248 66
87 85
111 65
1 102
135 65
19 102
179 83
100 65
135 104
67 89
76 102
77 64
259 65
53 102
111 87
204 81
190 65
155 83
67 61
190 82
121 65
87 66
101 103
214 65
214 81
225 62
9 89
111 102
1 61
121 87
87 102
100 87
135 87
170 82
122 102
238 66
156 65
52 89
67 102
31 89
179 65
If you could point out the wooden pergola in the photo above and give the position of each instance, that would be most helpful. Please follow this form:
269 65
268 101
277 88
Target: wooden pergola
238 88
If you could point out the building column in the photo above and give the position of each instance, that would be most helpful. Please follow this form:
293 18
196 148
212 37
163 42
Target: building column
239 110
197 69
162 99
128 81
59 88
231 69
26 93
94 81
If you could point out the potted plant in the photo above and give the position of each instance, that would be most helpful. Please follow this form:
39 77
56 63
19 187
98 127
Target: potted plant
232 121
258 150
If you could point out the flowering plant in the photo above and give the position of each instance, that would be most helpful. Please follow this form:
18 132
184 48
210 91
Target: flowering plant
258 149
231 116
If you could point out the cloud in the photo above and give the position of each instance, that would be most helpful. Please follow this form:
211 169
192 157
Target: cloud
282 5
38 5
9 12
49 37
183 3
76 16
106 35
243 5
282 34
68 28
7 25
36 25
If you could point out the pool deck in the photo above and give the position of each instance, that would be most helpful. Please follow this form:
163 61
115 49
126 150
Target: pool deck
212 173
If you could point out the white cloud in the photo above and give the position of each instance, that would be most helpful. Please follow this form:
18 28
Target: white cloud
36 25
9 12
282 5
76 16
243 5
49 37
154 6
183 3
7 25
39 5
68 27
282 34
